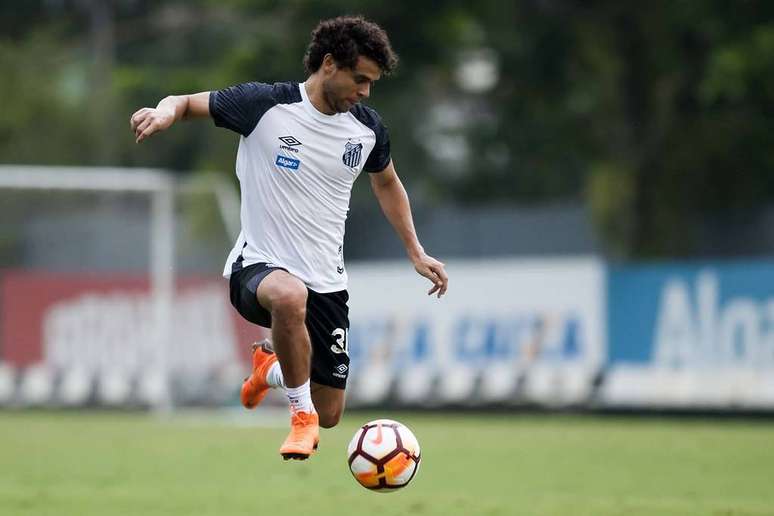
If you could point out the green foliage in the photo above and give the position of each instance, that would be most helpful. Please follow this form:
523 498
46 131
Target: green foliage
675 98
34 111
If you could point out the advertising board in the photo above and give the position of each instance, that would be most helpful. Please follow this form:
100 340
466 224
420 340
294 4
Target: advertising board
691 335
508 331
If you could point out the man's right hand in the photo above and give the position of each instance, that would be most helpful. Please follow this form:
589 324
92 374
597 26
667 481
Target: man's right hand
147 121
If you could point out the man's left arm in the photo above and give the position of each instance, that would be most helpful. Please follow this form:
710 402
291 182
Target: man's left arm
395 205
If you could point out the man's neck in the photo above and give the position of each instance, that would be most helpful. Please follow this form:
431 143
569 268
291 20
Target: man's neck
314 91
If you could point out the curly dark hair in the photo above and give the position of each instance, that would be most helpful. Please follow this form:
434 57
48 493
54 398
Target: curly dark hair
346 38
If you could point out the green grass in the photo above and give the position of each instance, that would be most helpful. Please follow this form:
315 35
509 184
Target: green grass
110 464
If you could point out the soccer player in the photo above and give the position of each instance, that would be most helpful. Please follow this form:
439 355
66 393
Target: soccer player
301 148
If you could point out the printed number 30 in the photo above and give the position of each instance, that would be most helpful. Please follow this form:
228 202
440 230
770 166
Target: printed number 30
341 335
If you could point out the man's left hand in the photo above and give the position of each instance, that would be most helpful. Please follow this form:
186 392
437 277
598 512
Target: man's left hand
433 270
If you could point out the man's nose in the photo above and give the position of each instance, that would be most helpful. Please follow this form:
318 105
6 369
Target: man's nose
365 91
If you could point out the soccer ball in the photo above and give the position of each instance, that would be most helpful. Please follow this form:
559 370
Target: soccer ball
383 455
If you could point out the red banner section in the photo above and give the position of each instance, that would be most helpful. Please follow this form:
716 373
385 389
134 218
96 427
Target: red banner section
62 319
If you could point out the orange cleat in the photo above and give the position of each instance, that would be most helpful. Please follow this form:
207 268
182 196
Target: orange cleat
304 436
254 388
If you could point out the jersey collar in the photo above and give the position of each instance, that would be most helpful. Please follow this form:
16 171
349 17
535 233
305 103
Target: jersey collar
313 111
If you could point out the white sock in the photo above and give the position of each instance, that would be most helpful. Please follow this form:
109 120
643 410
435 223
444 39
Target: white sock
300 398
274 376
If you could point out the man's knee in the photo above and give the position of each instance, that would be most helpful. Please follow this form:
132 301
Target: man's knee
289 304
330 416
286 297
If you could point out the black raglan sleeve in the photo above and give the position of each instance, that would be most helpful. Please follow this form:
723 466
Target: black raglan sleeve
380 154
240 107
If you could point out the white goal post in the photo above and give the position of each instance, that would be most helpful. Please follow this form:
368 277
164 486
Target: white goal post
161 187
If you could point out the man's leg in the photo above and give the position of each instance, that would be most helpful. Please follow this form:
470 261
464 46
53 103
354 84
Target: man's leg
285 296
329 403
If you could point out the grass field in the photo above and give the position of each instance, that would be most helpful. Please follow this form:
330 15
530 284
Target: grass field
110 464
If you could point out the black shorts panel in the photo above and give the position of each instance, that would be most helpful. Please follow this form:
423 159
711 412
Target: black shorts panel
327 321
243 286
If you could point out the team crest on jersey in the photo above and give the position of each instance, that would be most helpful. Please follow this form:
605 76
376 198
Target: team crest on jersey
352 154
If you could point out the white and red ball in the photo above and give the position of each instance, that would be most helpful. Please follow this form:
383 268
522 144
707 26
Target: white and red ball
383 455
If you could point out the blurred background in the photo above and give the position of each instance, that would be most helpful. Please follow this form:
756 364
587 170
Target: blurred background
596 175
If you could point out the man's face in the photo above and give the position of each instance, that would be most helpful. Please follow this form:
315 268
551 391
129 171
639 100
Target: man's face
345 87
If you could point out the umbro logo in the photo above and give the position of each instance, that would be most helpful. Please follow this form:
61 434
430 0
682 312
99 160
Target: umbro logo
341 371
290 143
290 140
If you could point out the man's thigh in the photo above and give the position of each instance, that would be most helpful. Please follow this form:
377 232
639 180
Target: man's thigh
244 284
276 285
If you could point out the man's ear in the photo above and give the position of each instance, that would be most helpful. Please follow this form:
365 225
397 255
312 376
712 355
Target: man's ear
329 65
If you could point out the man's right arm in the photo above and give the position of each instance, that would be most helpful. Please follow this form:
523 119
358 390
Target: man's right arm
147 121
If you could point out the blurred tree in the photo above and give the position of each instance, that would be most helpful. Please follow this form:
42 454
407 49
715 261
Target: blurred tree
658 117
680 119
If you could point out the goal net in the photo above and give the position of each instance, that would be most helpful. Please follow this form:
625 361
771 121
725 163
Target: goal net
110 288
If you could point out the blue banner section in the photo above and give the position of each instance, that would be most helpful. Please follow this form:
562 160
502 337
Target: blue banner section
692 316
472 342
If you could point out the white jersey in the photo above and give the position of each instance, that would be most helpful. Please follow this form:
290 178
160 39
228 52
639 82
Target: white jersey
296 167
